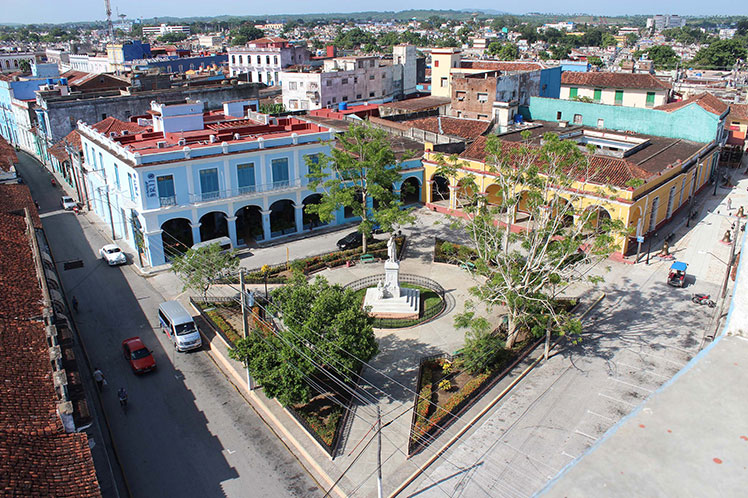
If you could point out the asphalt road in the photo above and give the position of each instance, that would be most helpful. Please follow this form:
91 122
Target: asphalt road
187 432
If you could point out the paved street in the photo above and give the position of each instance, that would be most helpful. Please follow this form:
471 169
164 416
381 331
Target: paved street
642 334
187 432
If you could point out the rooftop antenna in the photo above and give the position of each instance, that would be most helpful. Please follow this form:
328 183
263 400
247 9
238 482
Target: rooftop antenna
109 19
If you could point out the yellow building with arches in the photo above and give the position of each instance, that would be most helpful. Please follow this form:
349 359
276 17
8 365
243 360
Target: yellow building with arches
641 180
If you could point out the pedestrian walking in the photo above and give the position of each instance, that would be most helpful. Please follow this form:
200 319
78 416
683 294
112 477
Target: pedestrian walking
98 376
75 304
729 204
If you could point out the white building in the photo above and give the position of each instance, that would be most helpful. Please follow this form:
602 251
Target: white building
164 29
351 79
561 26
210 41
263 60
660 22
11 61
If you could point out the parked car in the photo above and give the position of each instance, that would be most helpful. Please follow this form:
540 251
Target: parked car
352 240
68 203
138 356
113 255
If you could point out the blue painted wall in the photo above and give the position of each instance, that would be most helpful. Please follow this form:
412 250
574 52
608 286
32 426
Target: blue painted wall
688 123
550 82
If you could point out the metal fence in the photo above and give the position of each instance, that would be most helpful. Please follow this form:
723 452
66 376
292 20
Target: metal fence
426 313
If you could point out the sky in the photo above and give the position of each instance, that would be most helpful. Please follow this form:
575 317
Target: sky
54 11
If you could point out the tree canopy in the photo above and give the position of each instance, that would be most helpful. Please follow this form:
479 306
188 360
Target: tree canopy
325 333
199 268
246 32
721 54
503 51
173 37
359 175
663 56
522 269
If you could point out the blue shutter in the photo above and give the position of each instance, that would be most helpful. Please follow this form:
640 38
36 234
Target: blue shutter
209 183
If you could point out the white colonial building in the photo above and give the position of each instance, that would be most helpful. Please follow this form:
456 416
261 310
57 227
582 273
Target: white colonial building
263 60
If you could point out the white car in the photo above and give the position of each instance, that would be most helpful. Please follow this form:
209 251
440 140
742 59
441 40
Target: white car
113 255
68 203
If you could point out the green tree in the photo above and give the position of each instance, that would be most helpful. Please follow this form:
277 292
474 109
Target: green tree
721 54
521 270
663 56
246 32
504 52
595 61
353 38
173 37
199 268
25 66
607 40
631 39
322 324
136 31
559 52
361 168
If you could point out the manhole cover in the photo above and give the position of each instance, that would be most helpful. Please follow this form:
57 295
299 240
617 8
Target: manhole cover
72 265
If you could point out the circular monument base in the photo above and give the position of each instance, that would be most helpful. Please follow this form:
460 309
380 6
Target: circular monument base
405 306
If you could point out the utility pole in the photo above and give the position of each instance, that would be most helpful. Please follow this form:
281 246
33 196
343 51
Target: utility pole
732 256
245 332
109 205
379 453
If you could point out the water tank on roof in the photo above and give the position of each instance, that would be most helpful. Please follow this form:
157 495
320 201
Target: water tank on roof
343 106
50 81
63 81
518 118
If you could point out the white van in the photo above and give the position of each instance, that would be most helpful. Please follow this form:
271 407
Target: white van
223 242
178 324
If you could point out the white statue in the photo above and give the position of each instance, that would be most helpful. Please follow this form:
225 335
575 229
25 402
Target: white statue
392 249
380 290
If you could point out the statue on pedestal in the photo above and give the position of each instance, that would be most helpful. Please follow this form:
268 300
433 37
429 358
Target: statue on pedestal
392 249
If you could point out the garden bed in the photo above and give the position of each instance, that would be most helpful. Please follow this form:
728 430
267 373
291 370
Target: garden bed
323 417
438 405
452 253
431 305
279 274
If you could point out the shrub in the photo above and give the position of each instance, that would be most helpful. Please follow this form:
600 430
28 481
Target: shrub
445 385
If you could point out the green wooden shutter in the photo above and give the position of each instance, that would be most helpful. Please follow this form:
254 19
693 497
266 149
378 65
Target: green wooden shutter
619 97
573 92
650 99
598 95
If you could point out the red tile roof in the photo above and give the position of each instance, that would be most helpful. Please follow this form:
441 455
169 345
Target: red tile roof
37 457
607 170
114 125
8 156
505 66
643 81
418 104
15 197
466 128
705 100
738 111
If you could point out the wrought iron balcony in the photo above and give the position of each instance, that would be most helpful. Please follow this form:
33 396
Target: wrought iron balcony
246 191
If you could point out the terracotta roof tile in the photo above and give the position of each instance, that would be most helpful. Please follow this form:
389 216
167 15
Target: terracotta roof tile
607 170
418 104
114 125
739 111
468 129
505 66
644 81
8 156
705 100
15 197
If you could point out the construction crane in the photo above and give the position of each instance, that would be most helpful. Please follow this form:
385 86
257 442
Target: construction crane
109 25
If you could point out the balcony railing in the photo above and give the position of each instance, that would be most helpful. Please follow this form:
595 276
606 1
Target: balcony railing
246 191
169 200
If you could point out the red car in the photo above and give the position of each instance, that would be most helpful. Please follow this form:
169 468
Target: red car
138 355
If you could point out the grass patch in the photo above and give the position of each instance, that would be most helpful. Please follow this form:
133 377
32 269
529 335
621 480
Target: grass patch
431 305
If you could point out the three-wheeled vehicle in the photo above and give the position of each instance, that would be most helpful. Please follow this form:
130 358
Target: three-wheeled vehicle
677 275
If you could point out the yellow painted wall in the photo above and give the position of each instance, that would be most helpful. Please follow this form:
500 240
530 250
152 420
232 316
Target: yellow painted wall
625 208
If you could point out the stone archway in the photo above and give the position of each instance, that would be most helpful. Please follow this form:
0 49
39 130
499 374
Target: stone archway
176 237
410 191
439 189
282 218
213 225
311 220
249 225
595 218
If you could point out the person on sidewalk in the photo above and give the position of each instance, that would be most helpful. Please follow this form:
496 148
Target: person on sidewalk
98 376
729 204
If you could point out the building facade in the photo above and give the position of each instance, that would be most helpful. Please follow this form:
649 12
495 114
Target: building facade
263 60
164 29
346 80
622 89
11 61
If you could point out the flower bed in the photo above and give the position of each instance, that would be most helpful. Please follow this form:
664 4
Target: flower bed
279 274
219 314
449 252
436 409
